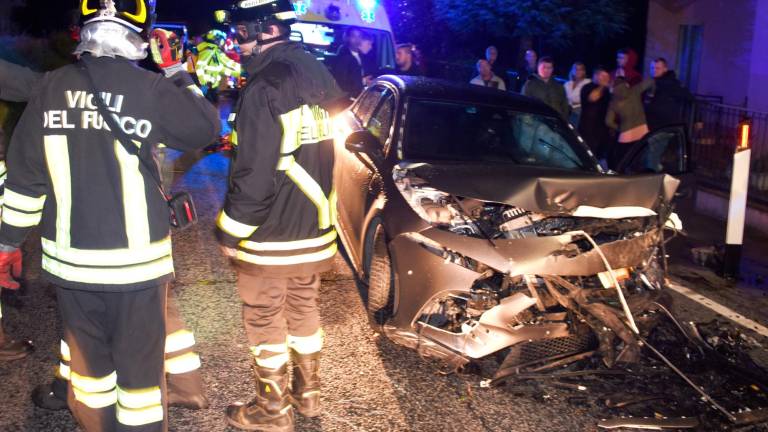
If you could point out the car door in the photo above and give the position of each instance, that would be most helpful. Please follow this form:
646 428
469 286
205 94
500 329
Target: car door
664 151
355 175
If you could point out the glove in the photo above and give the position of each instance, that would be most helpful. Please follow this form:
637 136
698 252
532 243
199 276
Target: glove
167 49
10 269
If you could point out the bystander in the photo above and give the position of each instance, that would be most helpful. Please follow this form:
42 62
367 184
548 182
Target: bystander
544 87
486 77
595 98
577 80
626 116
666 102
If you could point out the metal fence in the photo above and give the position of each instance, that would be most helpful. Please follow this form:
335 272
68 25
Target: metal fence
714 132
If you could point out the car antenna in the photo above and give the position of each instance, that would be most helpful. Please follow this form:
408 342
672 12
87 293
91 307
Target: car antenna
465 214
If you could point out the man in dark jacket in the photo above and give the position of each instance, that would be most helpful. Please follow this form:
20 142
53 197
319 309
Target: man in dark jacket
348 64
544 87
277 220
665 104
105 227
595 99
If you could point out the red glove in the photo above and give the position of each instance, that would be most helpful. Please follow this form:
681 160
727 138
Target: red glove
10 269
166 47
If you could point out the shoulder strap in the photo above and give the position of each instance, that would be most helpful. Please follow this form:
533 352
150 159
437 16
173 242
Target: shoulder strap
118 131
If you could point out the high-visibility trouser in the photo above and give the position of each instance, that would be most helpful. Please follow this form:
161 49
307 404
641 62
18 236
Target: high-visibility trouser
114 343
280 313
182 363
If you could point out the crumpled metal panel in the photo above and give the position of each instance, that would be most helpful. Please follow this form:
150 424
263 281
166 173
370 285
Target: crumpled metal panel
495 330
538 255
547 190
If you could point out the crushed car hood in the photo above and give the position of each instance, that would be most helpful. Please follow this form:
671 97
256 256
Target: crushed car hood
547 190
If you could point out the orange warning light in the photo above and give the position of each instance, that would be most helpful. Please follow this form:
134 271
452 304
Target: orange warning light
744 140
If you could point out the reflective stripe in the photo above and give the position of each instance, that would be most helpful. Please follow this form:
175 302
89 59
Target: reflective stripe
112 257
179 340
64 371
333 203
291 245
115 276
95 400
24 202
307 344
291 122
139 398
134 198
182 364
196 90
94 385
21 220
139 417
65 353
288 260
57 158
233 227
278 358
310 187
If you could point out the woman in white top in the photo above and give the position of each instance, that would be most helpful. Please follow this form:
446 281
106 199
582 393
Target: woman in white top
578 79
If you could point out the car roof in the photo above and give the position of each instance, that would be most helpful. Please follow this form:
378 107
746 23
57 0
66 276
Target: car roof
438 89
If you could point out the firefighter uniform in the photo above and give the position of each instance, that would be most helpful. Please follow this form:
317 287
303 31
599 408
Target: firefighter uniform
212 63
278 216
105 227
185 386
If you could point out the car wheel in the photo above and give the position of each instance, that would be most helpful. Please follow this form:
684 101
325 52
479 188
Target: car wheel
381 296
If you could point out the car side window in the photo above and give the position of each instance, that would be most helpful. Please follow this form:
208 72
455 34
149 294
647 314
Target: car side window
367 102
662 153
380 124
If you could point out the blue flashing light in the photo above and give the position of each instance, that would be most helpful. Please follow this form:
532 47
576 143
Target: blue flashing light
301 7
367 5
367 10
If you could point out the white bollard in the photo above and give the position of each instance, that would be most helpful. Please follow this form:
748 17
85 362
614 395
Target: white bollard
737 206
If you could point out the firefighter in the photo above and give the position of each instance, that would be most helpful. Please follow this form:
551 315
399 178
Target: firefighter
185 385
105 221
277 221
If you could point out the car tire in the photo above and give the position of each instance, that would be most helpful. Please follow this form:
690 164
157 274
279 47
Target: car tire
381 295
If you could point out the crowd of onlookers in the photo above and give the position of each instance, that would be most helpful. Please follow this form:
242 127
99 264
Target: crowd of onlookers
612 111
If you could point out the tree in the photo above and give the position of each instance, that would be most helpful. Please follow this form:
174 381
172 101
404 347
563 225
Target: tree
557 23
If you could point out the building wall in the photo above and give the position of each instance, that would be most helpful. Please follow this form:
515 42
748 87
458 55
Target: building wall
728 39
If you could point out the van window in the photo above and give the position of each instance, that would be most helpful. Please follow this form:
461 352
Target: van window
325 39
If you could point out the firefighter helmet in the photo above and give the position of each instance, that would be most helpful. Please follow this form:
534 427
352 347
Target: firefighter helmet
137 15
253 16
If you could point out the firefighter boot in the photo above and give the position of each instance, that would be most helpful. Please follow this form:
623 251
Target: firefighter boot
271 409
305 388
12 349
51 396
186 390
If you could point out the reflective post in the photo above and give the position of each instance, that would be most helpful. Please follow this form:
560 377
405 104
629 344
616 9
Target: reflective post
737 206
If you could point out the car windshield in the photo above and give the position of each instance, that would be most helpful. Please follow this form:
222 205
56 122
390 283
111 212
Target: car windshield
455 131
325 39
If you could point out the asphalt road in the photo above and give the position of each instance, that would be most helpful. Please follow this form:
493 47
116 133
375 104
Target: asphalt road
369 384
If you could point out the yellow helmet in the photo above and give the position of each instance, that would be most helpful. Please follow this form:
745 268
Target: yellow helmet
138 15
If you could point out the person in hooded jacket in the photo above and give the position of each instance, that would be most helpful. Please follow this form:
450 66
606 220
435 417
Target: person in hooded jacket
277 220
626 62
665 104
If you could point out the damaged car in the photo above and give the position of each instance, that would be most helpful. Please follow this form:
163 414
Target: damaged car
482 227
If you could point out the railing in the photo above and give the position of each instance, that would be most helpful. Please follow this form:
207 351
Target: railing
714 132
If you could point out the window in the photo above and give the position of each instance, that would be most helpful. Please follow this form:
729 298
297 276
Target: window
366 103
442 130
380 124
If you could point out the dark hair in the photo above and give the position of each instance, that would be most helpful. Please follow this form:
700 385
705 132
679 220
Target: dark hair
624 51
367 36
547 59
351 30
572 73
599 68
405 46
661 60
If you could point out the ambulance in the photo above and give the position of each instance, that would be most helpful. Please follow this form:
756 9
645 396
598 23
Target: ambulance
321 25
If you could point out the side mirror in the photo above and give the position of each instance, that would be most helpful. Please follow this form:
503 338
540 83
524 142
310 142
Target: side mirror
363 142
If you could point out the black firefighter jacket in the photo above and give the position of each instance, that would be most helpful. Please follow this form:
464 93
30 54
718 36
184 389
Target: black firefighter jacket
280 206
105 223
